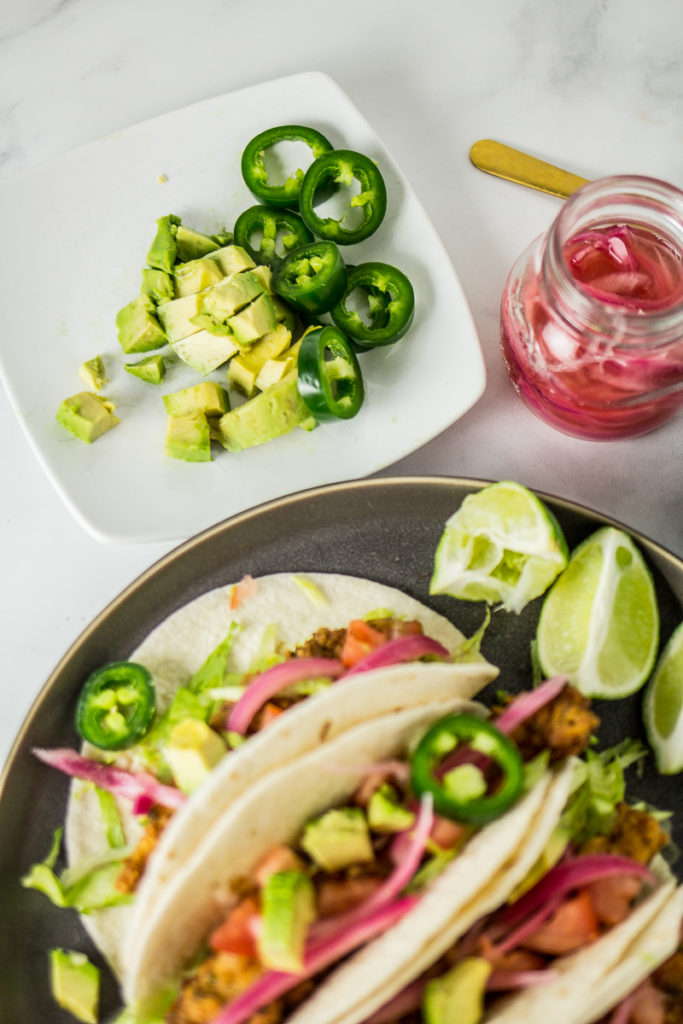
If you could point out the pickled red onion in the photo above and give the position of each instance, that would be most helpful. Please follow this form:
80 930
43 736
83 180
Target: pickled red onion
404 1002
402 648
526 915
506 981
273 984
528 704
135 786
274 679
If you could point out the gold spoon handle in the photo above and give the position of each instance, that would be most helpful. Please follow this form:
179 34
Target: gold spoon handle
511 164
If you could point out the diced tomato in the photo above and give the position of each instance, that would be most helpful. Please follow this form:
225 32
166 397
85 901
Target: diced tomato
361 638
238 931
280 858
613 897
241 590
573 925
446 833
336 896
268 713
648 1005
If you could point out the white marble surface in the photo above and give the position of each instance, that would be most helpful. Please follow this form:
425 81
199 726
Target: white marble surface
593 85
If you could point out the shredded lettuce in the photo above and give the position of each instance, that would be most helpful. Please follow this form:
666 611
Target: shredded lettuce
597 787
110 818
311 589
88 886
212 673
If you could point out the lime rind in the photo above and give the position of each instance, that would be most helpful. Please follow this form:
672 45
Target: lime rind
599 624
663 707
502 546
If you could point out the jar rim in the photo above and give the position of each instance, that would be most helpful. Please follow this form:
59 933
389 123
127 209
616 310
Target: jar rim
654 204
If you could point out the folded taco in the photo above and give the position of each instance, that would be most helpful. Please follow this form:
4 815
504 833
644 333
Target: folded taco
218 672
328 882
590 921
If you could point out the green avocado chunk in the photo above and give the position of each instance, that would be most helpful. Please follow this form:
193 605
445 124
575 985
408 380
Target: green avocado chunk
92 372
244 369
138 327
158 285
87 416
192 245
264 417
193 750
458 996
196 275
177 317
152 369
205 351
208 397
255 320
287 910
232 259
385 812
188 437
338 839
75 984
231 294
162 252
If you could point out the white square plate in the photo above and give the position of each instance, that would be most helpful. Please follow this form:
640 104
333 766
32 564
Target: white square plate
75 236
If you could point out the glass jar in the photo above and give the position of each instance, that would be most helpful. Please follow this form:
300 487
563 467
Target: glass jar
592 311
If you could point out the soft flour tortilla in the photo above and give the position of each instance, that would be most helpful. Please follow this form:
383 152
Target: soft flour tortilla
179 646
652 947
274 811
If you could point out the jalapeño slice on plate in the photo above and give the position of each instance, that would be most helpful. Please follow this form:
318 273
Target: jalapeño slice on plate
255 172
330 379
116 705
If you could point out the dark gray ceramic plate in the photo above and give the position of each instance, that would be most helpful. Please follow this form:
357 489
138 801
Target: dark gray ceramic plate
383 529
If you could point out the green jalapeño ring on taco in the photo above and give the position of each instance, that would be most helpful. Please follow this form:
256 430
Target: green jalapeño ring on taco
230 676
341 858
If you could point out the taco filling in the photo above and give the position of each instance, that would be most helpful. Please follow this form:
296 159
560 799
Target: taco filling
356 869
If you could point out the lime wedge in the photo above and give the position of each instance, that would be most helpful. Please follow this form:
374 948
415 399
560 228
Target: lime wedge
663 707
502 546
599 624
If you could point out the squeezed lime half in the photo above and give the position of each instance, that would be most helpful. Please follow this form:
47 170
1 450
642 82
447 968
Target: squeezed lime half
502 545
599 624
663 706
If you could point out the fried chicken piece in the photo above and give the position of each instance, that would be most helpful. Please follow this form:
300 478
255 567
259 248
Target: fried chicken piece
564 726
133 867
325 643
220 979
636 834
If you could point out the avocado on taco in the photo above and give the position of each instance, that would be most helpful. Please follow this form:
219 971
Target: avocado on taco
213 699
356 866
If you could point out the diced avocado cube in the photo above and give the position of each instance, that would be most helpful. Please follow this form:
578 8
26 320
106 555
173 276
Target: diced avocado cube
158 285
231 294
208 324
92 372
457 995
208 397
192 245
138 327
152 369
87 416
255 320
176 317
284 314
232 259
196 275
205 351
245 367
75 984
338 839
264 417
223 238
386 813
188 437
162 252
193 750
265 276
287 910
